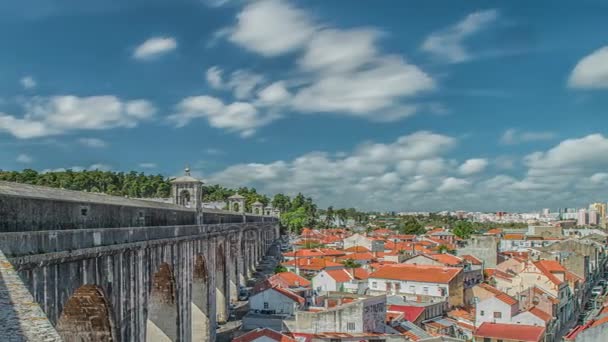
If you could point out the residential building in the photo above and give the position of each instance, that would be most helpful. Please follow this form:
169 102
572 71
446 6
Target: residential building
423 283
276 300
263 335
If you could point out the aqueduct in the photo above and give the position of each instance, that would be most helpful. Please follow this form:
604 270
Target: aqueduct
105 279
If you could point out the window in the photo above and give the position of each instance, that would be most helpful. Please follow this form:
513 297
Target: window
412 289
481 313
497 314
425 290
84 212
374 285
350 326
335 340
265 305
487 339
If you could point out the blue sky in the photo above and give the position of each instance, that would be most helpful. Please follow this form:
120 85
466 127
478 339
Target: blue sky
405 105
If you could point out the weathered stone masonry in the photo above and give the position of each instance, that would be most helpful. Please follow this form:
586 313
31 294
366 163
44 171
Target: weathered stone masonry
137 283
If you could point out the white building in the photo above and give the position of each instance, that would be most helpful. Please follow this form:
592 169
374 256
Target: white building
275 300
344 280
371 244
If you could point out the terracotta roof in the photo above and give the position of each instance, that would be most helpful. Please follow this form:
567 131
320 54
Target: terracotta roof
289 279
541 314
472 259
361 273
357 249
289 294
312 264
421 273
358 256
494 231
446 259
331 252
263 332
517 332
548 267
410 313
513 237
461 313
304 253
599 322
341 276
505 298
546 294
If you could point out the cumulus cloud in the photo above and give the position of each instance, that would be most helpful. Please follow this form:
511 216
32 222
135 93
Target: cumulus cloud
241 117
272 27
448 44
591 72
24 159
214 77
28 82
416 172
339 71
473 166
154 47
92 142
54 115
513 136
100 167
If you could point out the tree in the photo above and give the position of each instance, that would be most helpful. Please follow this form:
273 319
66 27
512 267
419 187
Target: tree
294 220
411 226
342 216
280 269
350 263
329 216
281 202
463 229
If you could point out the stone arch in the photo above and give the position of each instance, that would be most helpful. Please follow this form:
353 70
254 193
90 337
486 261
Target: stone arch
221 285
162 323
200 300
236 207
86 317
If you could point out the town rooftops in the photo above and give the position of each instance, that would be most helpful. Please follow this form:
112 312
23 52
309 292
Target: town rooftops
340 276
446 259
289 279
410 313
541 314
316 264
266 334
515 332
419 273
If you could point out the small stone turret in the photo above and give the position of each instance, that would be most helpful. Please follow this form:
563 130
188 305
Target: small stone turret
257 208
187 191
236 203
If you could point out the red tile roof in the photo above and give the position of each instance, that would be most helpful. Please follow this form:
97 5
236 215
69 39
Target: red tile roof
473 260
358 256
361 273
410 313
312 264
340 276
263 332
289 279
421 273
304 253
513 237
446 259
541 314
548 268
517 332
357 249
289 294
505 298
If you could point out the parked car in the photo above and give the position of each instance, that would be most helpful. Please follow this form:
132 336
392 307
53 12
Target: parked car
597 291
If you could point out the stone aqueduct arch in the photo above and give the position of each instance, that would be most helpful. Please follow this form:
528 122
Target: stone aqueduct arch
216 268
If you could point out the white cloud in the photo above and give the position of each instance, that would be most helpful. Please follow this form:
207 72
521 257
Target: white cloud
154 47
272 27
339 71
241 117
214 77
24 159
148 165
100 167
243 82
513 136
591 71
92 142
473 166
274 94
448 44
451 184
28 82
388 176
46 116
